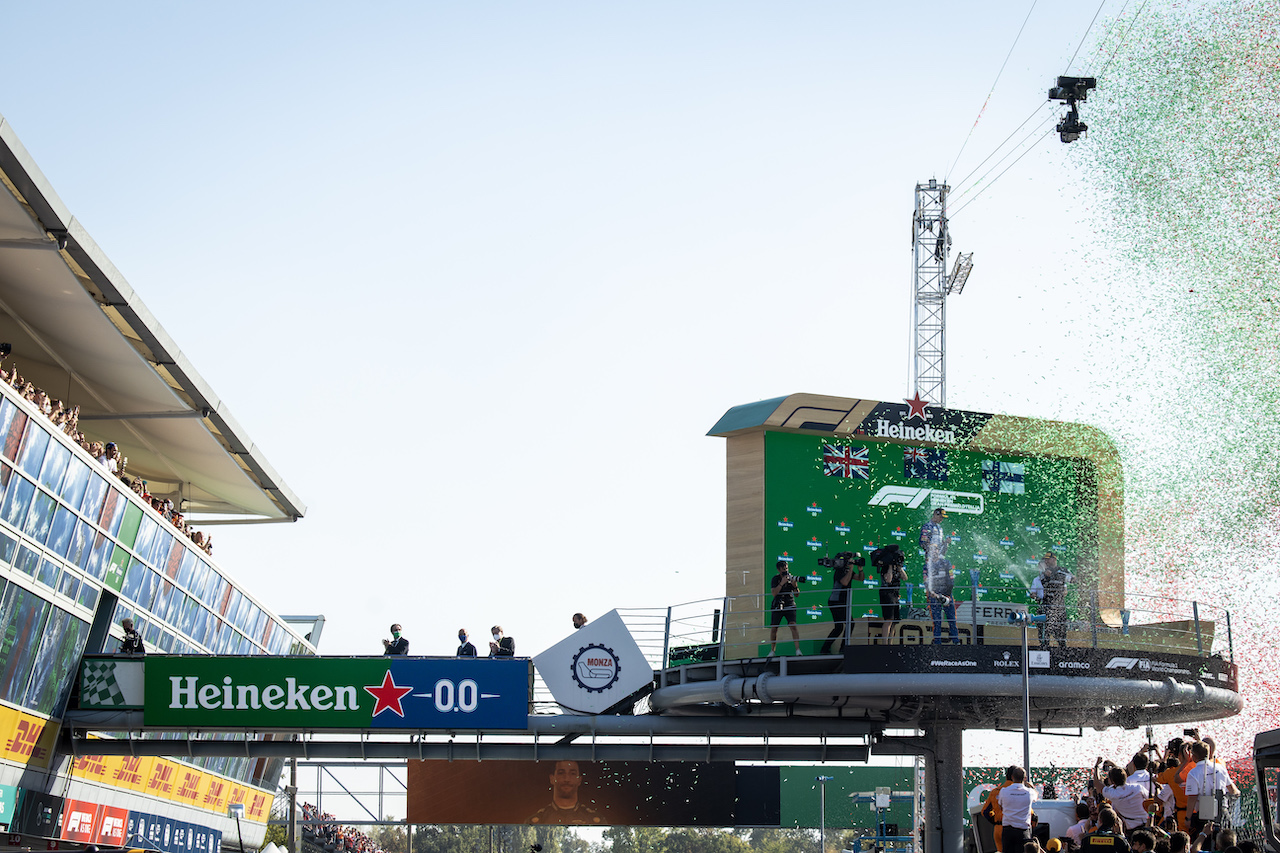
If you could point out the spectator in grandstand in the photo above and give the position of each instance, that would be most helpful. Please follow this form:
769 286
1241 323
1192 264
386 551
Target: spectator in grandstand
397 645
132 643
465 648
110 458
1126 798
500 646
1015 810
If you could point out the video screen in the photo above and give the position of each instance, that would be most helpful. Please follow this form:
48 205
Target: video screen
572 793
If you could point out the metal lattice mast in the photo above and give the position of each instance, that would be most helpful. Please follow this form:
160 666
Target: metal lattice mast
930 243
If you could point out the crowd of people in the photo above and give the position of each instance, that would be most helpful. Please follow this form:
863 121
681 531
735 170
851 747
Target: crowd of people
328 833
67 419
1159 801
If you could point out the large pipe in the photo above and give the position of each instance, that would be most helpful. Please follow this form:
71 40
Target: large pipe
873 688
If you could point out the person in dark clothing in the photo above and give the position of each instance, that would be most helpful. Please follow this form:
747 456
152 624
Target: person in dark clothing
465 648
132 643
1050 590
397 645
843 576
784 587
1108 838
891 565
500 646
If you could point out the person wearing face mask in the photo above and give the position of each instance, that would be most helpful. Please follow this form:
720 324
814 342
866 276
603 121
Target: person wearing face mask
465 648
500 646
397 645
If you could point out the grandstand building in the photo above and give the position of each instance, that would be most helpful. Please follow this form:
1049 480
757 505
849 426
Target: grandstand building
80 550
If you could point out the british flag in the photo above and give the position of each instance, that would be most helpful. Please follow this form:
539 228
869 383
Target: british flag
840 461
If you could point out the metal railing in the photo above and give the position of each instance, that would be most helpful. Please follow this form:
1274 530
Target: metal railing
736 628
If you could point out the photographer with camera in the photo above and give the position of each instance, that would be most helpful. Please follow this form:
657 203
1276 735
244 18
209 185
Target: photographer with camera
784 587
843 576
891 563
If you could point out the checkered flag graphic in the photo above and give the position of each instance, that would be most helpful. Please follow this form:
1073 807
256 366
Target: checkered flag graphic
98 686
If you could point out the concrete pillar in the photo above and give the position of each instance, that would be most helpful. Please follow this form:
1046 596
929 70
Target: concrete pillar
944 789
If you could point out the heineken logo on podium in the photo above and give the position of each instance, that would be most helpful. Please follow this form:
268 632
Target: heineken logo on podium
336 693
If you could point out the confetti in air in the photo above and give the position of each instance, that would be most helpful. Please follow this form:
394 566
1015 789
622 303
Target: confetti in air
1181 169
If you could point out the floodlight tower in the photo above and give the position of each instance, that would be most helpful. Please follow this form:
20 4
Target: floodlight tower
930 287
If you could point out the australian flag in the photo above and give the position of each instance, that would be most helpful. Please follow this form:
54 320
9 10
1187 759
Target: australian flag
840 461
919 463
1007 478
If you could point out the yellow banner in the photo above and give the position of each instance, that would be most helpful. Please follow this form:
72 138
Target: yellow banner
213 793
173 781
26 738
186 789
160 781
131 773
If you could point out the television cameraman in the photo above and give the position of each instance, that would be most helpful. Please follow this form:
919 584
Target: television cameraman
842 577
891 563
784 587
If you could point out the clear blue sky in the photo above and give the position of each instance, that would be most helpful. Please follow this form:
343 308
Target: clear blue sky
478 277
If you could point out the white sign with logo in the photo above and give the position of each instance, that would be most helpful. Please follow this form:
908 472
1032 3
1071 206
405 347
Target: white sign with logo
595 667
989 612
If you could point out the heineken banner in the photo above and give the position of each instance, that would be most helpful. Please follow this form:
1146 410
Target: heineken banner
336 693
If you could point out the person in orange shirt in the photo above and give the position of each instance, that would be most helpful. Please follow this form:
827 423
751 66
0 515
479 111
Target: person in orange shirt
1176 777
991 806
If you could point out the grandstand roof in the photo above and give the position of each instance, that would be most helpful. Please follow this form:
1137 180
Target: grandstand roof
80 332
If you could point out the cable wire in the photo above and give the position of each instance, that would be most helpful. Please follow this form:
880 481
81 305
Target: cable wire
1123 38
1111 28
960 182
992 90
979 187
1086 35
1043 137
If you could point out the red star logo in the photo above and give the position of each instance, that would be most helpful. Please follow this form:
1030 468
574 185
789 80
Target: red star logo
916 408
388 695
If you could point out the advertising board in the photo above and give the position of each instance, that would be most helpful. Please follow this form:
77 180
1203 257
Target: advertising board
256 693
